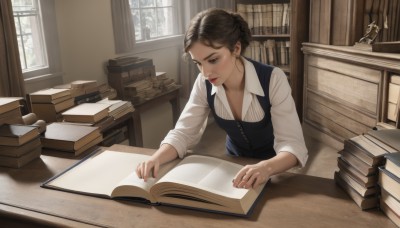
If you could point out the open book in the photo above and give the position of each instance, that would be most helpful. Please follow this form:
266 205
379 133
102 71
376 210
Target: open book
197 182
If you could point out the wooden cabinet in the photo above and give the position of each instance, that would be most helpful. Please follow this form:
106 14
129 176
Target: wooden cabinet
295 35
346 89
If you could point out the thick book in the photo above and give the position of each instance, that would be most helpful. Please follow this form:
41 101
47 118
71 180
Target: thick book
388 136
86 113
18 151
393 163
389 182
16 135
9 103
390 213
358 164
363 191
366 181
68 137
365 150
363 202
18 162
390 201
196 182
53 107
49 95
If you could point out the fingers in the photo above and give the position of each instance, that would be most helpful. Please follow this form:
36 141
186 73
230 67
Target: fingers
144 170
248 178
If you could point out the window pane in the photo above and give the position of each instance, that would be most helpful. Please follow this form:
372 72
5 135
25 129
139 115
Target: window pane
147 3
165 22
149 22
161 3
137 24
21 51
154 18
134 3
29 32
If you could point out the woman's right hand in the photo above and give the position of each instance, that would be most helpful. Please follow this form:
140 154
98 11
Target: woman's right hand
144 169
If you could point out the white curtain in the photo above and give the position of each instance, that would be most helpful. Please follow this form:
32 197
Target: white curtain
124 31
188 71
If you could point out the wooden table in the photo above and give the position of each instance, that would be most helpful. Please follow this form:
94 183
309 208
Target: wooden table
290 200
172 96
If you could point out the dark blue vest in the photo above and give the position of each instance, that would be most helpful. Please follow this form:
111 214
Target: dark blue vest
249 139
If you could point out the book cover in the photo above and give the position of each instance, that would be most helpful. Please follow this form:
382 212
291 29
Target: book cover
365 150
15 135
196 182
388 136
86 113
68 137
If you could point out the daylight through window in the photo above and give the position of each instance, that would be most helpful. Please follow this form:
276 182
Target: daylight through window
154 19
29 34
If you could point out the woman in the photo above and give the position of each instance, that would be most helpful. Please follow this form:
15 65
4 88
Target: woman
251 101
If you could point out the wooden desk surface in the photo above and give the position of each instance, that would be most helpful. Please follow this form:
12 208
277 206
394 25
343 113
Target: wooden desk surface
290 200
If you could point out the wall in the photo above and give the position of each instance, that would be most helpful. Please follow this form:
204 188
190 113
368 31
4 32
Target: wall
87 42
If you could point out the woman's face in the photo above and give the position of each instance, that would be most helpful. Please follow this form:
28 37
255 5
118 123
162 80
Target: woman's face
216 65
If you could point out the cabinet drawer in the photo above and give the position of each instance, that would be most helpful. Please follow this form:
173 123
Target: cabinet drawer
360 94
341 120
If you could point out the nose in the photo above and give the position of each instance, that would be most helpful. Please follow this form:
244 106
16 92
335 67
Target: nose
206 71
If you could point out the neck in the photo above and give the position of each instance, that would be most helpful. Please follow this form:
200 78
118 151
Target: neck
236 80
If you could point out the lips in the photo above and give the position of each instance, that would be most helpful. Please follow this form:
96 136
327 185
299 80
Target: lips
212 80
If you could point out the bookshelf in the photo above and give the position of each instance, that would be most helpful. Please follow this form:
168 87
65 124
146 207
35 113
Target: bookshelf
292 34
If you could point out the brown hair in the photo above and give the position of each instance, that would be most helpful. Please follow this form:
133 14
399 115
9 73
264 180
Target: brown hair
218 28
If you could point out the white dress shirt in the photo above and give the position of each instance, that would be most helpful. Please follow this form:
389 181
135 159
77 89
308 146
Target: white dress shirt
285 121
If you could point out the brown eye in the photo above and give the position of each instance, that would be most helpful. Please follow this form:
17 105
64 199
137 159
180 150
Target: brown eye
213 61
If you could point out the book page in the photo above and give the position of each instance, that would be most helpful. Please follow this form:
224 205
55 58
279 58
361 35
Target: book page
99 174
207 173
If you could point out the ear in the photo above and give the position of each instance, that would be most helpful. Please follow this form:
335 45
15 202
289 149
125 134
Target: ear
237 49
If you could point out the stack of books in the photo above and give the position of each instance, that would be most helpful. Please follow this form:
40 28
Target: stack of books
48 104
389 174
71 138
10 111
107 92
140 91
149 88
358 169
117 108
19 144
389 180
83 91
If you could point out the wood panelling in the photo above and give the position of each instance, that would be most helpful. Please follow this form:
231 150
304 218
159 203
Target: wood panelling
346 89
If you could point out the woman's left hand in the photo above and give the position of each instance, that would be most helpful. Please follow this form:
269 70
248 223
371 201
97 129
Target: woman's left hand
251 176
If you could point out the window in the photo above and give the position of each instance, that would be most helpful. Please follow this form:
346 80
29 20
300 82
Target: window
155 19
30 37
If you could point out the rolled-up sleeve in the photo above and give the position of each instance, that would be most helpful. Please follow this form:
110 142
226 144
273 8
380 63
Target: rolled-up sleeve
192 121
287 128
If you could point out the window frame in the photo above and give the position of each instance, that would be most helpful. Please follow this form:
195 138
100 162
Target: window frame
50 46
